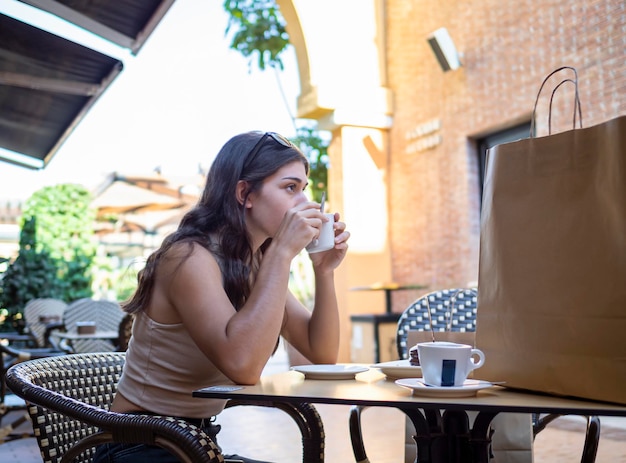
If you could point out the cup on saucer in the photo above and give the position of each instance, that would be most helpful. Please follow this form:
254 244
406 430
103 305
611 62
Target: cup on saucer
447 364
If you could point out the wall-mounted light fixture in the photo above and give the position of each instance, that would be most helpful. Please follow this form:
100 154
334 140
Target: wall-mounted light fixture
444 49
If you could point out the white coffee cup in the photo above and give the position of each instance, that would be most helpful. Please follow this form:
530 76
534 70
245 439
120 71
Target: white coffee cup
326 240
447 364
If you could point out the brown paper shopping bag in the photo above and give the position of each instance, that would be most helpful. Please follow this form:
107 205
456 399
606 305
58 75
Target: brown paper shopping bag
552 276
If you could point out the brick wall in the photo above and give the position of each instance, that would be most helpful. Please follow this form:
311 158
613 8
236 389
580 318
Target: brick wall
508 47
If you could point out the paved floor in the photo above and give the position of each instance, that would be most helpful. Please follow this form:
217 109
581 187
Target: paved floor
272 435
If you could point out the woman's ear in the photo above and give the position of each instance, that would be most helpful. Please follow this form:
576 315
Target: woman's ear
241 191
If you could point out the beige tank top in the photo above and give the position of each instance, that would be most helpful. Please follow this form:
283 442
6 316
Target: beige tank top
163 367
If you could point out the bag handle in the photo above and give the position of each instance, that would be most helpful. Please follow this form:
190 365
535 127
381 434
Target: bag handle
577 107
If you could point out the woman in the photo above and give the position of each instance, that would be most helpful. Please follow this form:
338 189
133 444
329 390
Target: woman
213 300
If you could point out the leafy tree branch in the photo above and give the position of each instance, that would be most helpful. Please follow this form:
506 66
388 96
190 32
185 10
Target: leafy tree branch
258 28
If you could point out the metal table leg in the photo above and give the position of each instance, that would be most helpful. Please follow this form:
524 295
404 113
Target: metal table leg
449 438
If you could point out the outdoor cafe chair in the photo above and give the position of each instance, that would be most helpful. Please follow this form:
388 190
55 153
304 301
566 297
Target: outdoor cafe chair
106 314
9 402
40 315
69 397
455 308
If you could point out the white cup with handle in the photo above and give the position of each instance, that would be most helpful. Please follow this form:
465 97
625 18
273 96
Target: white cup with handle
448 364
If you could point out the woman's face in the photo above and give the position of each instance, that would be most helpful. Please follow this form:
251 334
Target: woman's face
279 192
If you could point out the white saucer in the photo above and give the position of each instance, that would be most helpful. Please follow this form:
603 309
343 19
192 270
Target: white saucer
330 371
469 388
397 369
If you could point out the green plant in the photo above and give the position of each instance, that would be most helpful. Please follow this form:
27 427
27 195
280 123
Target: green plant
315 149
65 221
257 27
32 275
76 275
56 250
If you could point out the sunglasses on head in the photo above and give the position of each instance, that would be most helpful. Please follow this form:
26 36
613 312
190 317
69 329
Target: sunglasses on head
278 138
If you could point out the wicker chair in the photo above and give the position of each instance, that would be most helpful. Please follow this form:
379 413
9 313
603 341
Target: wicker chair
453 310
41 315
9 402
10 355
69 398
108 316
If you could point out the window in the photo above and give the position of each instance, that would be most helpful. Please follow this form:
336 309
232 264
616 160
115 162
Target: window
504 136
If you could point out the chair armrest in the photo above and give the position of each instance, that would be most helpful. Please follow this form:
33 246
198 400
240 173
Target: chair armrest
26 339
49 339
356 433
188 442
22 354
592 434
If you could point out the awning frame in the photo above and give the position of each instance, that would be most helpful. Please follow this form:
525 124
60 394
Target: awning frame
44 96
83 20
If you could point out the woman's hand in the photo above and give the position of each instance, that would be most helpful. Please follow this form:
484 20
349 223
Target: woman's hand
330 260
300 225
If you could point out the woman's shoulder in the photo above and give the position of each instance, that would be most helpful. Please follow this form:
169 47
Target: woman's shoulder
189 251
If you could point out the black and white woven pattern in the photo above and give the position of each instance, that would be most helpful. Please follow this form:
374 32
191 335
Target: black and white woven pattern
69 397
450 309
107 315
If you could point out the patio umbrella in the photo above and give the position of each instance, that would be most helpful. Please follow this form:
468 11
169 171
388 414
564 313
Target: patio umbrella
134 212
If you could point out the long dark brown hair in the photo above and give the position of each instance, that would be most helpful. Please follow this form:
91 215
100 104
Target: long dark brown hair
217 221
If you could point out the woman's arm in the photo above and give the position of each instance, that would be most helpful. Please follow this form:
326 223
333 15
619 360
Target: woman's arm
239 343
316 334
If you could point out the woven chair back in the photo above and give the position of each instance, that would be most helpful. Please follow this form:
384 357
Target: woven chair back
450 310
69 398
91 379
107 314
39 312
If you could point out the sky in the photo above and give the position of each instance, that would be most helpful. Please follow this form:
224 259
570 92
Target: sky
173 106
